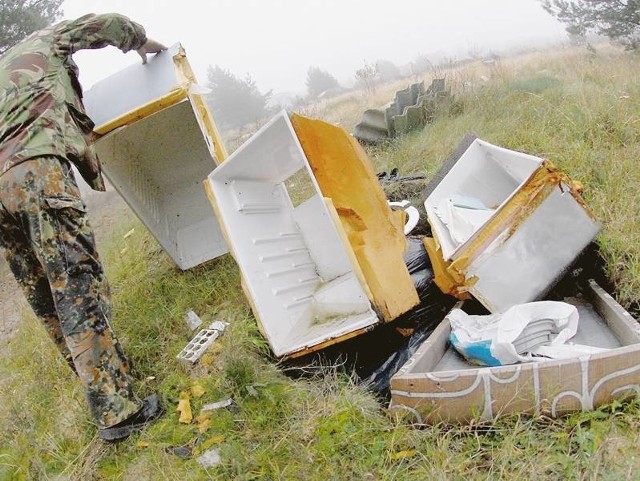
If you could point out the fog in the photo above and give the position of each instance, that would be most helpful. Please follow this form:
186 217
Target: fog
276 41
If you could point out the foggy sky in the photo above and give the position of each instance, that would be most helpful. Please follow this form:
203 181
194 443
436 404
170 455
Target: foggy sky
275 41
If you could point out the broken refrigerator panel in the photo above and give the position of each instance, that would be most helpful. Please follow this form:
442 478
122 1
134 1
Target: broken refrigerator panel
159 143
506 226
436 384
305 220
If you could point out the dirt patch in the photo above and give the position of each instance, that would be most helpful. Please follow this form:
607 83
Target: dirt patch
106 210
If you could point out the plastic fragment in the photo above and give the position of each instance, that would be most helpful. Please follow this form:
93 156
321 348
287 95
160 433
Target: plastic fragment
413 216
209 458
193 321
217 405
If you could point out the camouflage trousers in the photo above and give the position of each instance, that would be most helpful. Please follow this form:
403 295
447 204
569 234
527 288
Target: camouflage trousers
49 245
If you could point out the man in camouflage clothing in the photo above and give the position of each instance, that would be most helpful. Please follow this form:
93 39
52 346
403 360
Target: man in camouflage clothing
43 222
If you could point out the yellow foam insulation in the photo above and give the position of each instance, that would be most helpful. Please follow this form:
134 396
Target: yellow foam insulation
375 232
448 282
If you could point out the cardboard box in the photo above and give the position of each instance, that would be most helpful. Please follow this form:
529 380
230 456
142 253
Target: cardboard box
319 249
437 384
538 225
159 145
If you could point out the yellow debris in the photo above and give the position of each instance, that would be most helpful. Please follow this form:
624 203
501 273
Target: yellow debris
184 408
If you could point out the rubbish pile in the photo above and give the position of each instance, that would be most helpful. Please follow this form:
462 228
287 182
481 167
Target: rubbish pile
330 273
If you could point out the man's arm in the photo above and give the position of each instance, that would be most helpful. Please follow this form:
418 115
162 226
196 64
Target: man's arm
97 31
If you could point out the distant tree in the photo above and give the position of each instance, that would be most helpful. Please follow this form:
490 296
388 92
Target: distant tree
19 18
421 64
617 19
235 102
319 81
387 70
366 77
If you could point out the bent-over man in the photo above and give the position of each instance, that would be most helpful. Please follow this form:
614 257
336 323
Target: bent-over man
44 231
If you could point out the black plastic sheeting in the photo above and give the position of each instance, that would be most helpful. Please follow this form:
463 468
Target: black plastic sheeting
373 358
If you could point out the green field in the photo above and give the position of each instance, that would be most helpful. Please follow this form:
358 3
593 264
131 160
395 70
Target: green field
579 109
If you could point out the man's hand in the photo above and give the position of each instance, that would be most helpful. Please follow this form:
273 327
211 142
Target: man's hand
150 46
94 136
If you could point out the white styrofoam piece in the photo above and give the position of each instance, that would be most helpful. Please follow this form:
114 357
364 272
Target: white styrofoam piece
523 267
199 344
193 321
487 172
158 164
217 405
133 87
293 260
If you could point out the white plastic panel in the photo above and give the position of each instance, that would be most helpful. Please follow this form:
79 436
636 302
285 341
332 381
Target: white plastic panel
158 164
294 264
133 87
487 172
523 267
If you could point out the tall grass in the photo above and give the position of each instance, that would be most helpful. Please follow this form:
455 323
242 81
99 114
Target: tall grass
577 109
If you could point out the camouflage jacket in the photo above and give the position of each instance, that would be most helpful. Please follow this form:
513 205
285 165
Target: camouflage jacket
41 110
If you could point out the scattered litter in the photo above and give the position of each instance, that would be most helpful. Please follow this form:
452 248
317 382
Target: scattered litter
143 444
413 216
193 321
199 344
183 452
210 458
217 405
129 234
184 408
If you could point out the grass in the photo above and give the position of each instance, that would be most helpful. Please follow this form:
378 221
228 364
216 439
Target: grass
578 109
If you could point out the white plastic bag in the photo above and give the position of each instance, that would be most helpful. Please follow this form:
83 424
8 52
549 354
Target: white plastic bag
525 332
463 216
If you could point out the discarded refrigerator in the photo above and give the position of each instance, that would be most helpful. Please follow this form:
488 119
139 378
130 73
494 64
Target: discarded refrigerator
506 226
436 384
159 143
319 249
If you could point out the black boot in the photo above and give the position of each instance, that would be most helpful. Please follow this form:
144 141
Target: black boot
150 411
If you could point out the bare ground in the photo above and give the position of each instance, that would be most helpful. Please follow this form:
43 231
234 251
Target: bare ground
105 211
